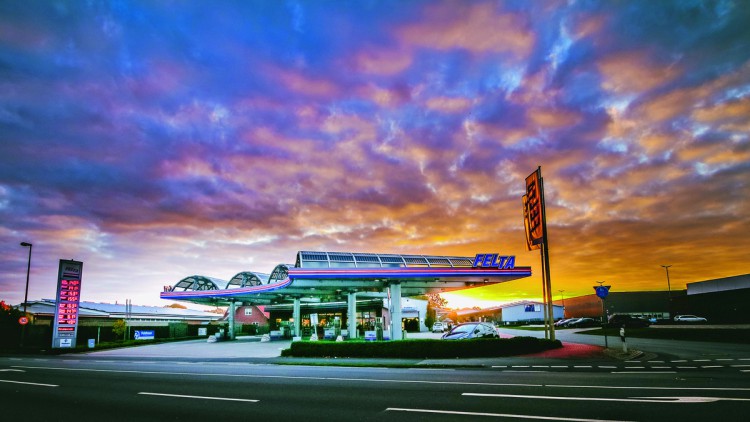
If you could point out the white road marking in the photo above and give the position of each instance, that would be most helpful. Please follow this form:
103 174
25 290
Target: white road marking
12 370
375 380
620 387
643 372
497 415
30 383
197 397
632 399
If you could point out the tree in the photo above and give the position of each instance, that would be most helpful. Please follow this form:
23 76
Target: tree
436 301
119 327
10 329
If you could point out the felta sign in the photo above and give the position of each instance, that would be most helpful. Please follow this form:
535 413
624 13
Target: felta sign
493 260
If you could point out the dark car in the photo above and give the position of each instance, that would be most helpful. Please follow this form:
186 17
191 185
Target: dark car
564 322
583 323
629 321
471 330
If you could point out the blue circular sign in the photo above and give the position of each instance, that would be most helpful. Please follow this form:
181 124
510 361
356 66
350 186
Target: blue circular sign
602 291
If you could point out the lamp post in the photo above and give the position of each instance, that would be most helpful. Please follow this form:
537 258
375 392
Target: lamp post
563 301
669 291
669 287
26 294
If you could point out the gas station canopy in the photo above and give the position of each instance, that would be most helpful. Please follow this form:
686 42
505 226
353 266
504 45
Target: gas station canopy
329 276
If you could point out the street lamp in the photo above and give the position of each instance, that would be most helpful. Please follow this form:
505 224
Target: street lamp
669 288
26 295
563 301
28 270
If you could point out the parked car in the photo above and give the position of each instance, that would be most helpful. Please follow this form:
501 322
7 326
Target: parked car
630 321
439 327
583 322
689 318
471 330
563 322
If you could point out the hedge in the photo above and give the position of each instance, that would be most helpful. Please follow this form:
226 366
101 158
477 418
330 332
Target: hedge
421 349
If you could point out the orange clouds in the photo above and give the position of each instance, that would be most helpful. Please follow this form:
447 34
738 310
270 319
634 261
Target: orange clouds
633 72
478 28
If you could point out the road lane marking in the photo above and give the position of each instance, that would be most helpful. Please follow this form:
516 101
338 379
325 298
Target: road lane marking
197 397
12 370
497 415
688 399
30 383
122 371
375 380
643 372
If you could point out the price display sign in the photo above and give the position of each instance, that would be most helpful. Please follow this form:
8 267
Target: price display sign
66 305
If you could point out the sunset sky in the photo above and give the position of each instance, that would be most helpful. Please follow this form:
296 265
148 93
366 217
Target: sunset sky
155 140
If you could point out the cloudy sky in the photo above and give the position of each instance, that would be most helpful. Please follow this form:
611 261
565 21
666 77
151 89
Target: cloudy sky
155 140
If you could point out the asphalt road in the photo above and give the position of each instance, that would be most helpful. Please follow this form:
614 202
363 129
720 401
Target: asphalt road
99 388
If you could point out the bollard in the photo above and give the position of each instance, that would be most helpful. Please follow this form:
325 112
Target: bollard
622 337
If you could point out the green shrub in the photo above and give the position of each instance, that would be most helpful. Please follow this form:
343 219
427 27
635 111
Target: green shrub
422 349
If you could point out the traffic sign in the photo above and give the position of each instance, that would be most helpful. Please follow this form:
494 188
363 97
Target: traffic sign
23 320
602 291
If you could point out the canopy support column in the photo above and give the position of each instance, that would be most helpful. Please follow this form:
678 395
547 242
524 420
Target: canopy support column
297 317
351 317
232 309
396 331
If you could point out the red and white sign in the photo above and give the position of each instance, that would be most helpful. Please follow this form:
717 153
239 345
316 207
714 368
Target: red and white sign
23 320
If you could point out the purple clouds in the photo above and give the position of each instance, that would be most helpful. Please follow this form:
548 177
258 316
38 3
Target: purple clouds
157 140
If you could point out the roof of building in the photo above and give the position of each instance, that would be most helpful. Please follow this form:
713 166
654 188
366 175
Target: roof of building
117 310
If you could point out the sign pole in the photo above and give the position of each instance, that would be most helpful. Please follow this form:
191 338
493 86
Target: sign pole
545 253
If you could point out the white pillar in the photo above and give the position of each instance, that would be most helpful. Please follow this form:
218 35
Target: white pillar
396 331
232 309
351 316
297 318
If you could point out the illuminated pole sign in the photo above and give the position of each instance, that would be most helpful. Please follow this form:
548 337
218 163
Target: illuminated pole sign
65 326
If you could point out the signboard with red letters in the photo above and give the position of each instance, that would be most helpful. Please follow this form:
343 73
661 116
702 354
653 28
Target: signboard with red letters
65 326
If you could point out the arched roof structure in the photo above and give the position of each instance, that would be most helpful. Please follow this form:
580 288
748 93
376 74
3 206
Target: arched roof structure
199 283
248 278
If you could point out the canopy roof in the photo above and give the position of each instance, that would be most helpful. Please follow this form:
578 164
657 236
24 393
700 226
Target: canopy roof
328 276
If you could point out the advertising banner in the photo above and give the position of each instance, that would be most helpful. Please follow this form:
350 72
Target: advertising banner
65 326
532 212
